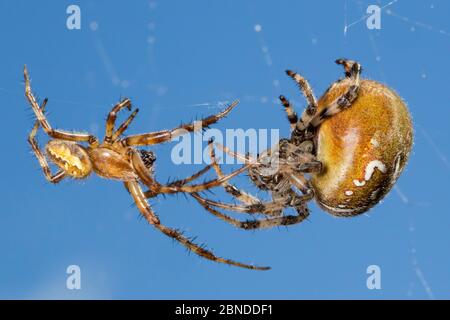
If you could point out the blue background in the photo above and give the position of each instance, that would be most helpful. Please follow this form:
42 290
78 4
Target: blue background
177 60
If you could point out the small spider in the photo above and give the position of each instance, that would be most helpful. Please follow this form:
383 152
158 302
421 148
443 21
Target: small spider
353 143
117 158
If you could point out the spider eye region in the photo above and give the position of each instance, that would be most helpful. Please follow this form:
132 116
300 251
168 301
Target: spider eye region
70 157
363 149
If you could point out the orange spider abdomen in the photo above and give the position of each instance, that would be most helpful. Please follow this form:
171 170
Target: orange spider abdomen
363 149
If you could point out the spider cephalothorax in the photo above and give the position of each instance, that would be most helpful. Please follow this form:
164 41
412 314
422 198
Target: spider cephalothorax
346 151
79 154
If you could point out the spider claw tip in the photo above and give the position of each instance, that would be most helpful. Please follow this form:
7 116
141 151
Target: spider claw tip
290 73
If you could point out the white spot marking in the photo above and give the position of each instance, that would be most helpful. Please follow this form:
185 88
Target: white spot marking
359 183
370 169
348 193
349 211
397 166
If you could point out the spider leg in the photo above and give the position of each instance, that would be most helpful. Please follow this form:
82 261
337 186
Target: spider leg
112 116
268 208
200 187
291 114
157 188
304 87
53 178
304 162
167 135
342 102
302 184
242 196
310 117
311 109
138 196
54 133
352 68
238 156
124 126
258 224
230 188
181 182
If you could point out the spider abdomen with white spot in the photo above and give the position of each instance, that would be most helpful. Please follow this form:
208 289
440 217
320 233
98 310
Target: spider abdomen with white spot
363 149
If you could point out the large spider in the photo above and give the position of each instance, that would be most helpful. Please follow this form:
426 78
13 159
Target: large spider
353 143
117 158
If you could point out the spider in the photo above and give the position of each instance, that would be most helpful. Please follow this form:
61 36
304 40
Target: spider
353 143
117 158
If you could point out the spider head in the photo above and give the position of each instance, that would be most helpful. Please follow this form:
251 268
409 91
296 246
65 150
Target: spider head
69 157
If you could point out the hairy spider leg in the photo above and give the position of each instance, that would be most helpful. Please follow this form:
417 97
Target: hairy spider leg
268 208
180 182
230 188
53 133
307 91
112 116
156 187
302 184
53 178
251 224
352 68
291 114
244 158
341 103
352 72
139 197
297 179
124 126
167 135
309 117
